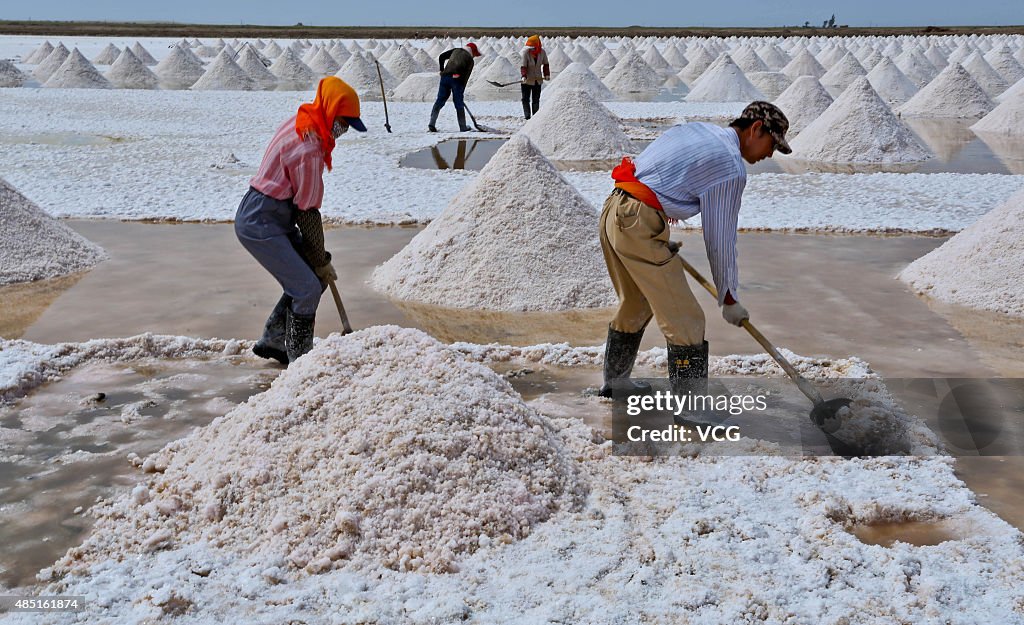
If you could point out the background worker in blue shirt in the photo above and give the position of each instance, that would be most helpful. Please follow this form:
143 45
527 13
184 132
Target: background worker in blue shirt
691 169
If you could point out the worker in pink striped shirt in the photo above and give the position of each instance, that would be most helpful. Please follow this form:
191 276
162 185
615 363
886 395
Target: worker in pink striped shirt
278 220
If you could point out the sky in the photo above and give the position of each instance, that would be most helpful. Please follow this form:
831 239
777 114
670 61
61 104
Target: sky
660 13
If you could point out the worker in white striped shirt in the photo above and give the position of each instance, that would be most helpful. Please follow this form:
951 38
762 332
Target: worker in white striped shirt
692 169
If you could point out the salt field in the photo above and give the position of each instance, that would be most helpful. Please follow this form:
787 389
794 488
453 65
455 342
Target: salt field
452 459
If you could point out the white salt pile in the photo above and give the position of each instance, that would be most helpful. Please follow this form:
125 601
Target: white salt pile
10 75
804 65
51 63
34 246
40 54
771 84
981 267
500 71
107 55
1007 119
128 72
748 60
633 75
988 78
573 126
655 61
77 73
250 61
323 64
890 83
143 54
224 75
843 73
916 67
803 102
180 69
382 448
700 61
272 50
519 238
558 60
953 93
400 64
1001 60
858 128
724 81
578 76
421 87
361 73
604 64
291 71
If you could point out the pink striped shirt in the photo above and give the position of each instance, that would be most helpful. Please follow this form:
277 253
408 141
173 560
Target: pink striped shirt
292 168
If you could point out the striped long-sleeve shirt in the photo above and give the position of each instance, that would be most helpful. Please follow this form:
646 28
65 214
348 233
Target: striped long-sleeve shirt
292 168
697 168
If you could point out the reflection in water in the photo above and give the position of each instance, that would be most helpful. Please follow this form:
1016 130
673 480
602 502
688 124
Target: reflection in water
22 304
470 154
1009 150
998 338
576 327
945 137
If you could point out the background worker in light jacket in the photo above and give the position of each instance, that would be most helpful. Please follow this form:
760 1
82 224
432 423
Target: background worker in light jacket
278 221
691 169
535 70
456 65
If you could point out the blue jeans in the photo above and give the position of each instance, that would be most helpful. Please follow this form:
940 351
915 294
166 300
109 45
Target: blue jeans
449 86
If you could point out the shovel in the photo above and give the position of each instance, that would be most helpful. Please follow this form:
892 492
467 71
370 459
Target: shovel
346 327
824 412
498 84
476 125
387 122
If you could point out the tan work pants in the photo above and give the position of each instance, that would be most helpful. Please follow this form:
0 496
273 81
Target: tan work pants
646 275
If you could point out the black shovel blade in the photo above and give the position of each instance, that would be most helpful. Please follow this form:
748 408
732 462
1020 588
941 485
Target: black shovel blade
824 416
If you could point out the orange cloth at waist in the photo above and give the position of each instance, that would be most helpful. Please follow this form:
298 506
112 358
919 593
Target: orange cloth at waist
624 176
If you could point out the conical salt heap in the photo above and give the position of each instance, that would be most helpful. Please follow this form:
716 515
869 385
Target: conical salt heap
1001 60
35 246
700 60
382 448
982 72
291 71
1014 91
128 72
724 81
858 128
558 60
771 84
224 75
655 61
143 54
579 76
747 59
573 126
400 64
916 67
889 82
323 64
107 55
633 75
421 87
180 69
803 102
272 50
361 74
804 65
843 73
249 60
51 63
953 93
77 73
604 64
981 267
1007 119
40 54
10 75
518 213
500 71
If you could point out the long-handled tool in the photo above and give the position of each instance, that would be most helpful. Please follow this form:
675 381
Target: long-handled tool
824 412
387 122
476 125
346 327
499 84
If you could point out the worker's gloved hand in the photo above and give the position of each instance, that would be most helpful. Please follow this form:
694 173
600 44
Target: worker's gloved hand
326 271
735 313
673 246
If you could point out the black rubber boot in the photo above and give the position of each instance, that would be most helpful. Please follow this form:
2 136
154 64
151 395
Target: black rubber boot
271 344
461 115
299 337
526 109
619 355
432 126
688 375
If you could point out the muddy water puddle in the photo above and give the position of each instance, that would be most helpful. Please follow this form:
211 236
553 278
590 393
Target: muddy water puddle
917 533
67 443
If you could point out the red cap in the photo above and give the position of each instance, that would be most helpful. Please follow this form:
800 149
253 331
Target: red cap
472 47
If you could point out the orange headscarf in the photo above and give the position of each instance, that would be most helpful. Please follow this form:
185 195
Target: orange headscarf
334 98
533 42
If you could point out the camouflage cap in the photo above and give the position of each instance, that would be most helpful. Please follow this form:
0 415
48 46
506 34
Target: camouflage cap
774 121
